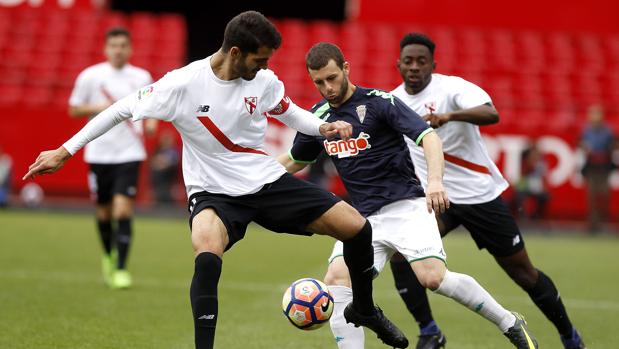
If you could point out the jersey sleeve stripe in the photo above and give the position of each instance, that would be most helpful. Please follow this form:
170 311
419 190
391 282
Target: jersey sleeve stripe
299 161
420 137
224 140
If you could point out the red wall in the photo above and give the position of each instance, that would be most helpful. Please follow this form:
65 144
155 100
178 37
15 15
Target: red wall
547 15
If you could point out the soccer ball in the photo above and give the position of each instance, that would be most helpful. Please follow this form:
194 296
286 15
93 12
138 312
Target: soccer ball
307 304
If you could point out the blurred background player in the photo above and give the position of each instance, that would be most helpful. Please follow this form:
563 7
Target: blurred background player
531 185
456 108
6 169
376 168
164 166
597 141
115 157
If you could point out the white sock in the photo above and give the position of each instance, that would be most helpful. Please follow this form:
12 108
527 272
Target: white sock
466 291
347 336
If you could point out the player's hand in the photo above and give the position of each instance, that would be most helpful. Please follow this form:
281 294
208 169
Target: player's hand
436 197
331 129
48 161
437 120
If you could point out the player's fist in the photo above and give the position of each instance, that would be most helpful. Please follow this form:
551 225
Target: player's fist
436 197
331 129
437 120
48 161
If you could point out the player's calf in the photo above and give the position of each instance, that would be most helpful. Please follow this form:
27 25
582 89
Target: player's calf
209 238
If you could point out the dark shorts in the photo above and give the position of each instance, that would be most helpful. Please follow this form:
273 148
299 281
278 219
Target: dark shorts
287 205
491 225
106 180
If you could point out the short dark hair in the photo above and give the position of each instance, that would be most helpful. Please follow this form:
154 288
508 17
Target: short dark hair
418 39
117 31
249 31
320 54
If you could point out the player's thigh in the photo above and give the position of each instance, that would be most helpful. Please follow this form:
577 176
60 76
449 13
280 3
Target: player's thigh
291 205
492 227
409 229
208 233
222 221
448 220
341 221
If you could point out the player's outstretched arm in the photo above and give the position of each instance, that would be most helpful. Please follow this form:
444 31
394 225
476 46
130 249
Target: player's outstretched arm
289 164
436 197
52 160
48 161
481 115
305 122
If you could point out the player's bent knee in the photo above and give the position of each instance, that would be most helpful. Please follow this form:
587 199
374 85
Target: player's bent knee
337 273
432 280
430 273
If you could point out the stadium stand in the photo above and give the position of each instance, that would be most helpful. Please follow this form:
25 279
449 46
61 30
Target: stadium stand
538 80
42 51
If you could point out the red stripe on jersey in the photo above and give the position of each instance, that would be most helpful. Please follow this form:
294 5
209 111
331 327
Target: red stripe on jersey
466 164
224 140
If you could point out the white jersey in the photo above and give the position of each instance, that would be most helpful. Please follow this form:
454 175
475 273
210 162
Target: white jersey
100 84
222 125
470 175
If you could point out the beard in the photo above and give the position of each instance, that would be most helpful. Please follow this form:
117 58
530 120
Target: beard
340 96
244 72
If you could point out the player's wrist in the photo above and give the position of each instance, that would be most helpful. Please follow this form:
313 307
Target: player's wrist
323 128
63 153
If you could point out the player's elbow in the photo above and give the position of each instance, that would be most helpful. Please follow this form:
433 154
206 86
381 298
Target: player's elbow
493 118
493 115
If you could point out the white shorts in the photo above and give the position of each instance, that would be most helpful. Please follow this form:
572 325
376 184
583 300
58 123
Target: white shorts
403 226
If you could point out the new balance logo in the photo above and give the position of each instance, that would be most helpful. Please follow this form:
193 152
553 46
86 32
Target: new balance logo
207 317
203 108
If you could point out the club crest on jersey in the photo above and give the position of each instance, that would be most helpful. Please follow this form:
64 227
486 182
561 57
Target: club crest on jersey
430 107
361 109
250 104
351 147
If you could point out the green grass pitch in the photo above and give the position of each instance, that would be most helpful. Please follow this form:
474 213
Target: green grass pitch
52 296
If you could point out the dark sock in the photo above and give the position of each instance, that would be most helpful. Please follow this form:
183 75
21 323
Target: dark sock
413 294
545 295
430 329
123 241
359 258
105 233
203 295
